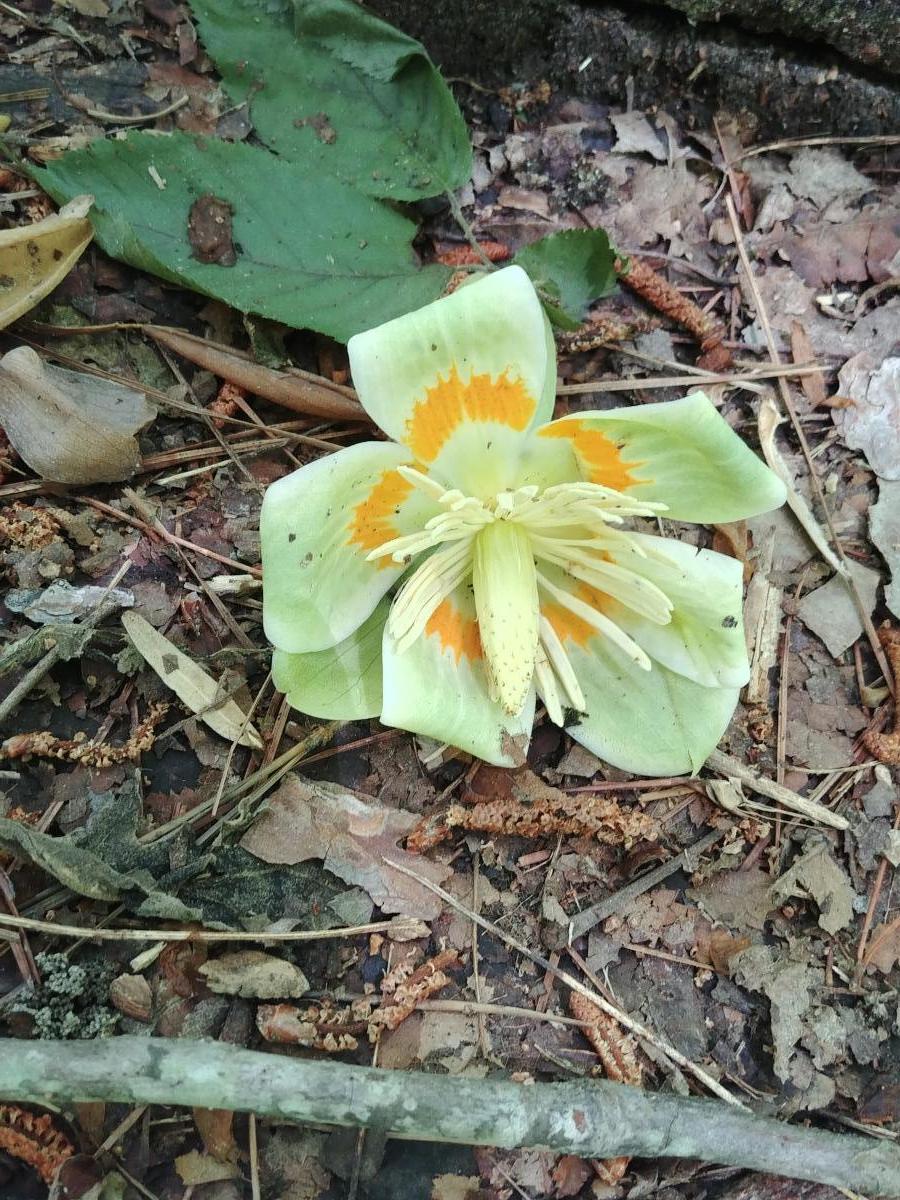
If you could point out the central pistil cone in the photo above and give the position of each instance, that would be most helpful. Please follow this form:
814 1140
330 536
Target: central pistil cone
504 578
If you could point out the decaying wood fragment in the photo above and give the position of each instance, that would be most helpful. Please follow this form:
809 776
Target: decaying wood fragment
762 620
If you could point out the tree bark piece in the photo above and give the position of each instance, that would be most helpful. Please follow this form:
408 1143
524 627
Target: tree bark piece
865 30
592 1119
780 88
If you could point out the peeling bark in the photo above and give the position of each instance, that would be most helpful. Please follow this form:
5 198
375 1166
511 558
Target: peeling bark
595 1119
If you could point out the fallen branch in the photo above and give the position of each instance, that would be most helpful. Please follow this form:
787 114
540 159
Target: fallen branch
593 1119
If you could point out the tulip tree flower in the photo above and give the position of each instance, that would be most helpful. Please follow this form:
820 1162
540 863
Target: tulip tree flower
487 556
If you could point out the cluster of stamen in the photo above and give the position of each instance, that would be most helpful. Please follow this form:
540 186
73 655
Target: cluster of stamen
576 527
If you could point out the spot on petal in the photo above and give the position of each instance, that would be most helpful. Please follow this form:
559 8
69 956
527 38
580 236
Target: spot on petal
456 632
371 524
453 402
598 455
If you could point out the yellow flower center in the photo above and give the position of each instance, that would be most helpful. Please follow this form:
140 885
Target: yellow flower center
514 548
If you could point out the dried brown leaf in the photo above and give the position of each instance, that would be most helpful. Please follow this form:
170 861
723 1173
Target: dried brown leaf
870 422
216 1128
294 389
69 427
254 975
570 1175
195 1169
769 420
190 683
883 951
306 819
802 352
816 875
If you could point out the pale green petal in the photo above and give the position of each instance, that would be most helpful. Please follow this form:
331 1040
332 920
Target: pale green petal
681 453
647 722
339 684
438 687
317 526
705 638
480 356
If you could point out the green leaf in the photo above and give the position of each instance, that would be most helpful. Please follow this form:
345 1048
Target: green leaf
310 251
341 92
82 871
570 270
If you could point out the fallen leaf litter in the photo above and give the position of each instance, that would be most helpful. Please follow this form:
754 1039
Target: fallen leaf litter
782 1015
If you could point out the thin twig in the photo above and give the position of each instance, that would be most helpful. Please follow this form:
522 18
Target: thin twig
797 143
236 740
468 232
100 114
733 768
400 928
44 665
665 381
585 921
254 1160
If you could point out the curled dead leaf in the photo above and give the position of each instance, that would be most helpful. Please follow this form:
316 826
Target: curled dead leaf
190 683
68 427
306 818
255 975
195 1169
35 258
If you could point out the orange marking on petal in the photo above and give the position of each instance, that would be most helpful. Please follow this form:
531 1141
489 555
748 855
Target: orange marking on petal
599 454
451 402
371 524
456 632
567 625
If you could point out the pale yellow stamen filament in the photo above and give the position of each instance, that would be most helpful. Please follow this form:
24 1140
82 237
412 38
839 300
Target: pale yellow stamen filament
546 684
430 584
631 589
559 661
592 617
